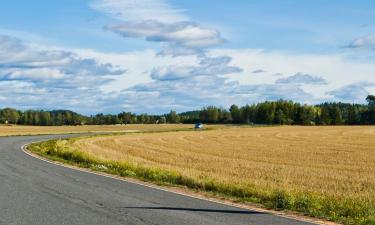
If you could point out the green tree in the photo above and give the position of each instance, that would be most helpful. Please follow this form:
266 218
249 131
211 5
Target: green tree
369 114
235 113
173 117
336 116
307 115
354 115
371 100
212 114
45 118
126 117
325 117
10 115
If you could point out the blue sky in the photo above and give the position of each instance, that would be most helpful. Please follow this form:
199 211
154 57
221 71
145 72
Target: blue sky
155 55
302 26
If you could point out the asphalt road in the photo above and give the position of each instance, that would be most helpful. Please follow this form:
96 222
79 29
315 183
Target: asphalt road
34 192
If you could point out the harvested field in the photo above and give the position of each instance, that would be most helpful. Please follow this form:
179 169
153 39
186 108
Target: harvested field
35 130
321 171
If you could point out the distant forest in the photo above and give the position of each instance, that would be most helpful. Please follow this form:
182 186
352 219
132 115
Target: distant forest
275 112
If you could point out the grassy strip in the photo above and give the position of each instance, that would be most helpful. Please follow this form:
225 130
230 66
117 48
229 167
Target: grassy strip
345 210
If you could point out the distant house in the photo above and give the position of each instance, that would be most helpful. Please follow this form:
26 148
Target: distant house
198 126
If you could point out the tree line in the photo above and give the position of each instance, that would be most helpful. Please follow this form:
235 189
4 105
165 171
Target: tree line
269 112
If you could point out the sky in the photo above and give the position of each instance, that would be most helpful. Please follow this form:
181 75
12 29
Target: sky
153 56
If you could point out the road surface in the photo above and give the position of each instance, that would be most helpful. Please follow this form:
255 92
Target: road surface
34 192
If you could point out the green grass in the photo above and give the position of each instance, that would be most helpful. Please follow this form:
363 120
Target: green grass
345 211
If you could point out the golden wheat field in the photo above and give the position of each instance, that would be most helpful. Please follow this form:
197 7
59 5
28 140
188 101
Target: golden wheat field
323 171
34 130
334 160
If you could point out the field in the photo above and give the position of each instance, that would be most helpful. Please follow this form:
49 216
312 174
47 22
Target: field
326 172
36 130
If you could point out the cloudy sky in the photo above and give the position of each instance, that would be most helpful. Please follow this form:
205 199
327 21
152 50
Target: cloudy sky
152 56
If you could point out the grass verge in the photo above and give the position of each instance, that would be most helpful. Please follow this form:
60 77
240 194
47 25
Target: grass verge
344 210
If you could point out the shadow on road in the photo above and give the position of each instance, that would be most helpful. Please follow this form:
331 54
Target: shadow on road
199 210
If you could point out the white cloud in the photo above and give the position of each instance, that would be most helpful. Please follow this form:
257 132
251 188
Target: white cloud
356 92
82 80
172 72
336 69
300 78
199 91
34 77
139 65
208 66
33 74
158 21
184 34
141 10
190 82
366 42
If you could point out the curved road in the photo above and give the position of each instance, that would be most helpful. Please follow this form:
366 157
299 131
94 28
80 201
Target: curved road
34 192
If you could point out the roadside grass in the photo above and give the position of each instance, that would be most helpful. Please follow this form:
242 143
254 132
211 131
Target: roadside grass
343 209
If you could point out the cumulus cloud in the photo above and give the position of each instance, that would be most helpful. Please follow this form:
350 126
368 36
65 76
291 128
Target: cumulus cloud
273 92
33 76
366 42
172 72
200 91
189 91
208 66
301 78
183 34
158 21
23 61
205 83
355 92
